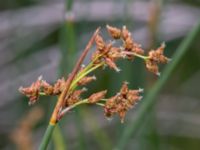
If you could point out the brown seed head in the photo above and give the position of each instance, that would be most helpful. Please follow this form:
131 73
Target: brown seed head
152 67
110 106
94 98
59 86
160 49
115 53
157 55
163 59
74 97
100 42
114 32
128 43
133 97
32 92
137 49
125 33
47 88
124 89
86 80
112 64
121 102
107 48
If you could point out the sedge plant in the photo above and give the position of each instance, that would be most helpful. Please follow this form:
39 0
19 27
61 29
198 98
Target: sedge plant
106 54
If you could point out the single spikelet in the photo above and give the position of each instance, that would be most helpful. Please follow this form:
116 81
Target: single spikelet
96 97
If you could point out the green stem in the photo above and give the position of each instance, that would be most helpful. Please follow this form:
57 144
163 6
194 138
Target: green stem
150 99
100 104
42 94
69 4
85 71
47 137
73 85
140 56
73 106
58 140
84 101
137 55
50 128
104 100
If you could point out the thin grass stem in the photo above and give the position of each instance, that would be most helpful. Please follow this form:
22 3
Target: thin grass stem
47 137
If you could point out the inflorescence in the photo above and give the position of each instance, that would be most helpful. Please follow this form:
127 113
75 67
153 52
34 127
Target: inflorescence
106 54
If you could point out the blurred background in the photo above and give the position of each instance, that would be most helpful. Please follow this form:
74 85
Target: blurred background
45 37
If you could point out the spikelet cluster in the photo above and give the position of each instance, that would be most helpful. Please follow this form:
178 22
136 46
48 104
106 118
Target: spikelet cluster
122 102
106 54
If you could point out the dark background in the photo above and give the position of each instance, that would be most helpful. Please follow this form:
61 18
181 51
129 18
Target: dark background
45 37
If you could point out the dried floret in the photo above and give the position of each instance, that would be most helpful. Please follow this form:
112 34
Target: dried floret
122 102
96 97
114 32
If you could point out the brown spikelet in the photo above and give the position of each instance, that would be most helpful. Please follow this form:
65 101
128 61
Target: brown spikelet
94 98
122 102
86 80
124 89
128 43
115 54
112 64
59 86
74 97
47 88
152 67
125 33
107 48
100 42
157 55
114 32
32 92
137 49
160 49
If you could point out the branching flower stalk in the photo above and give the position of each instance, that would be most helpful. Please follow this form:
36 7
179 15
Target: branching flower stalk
106 54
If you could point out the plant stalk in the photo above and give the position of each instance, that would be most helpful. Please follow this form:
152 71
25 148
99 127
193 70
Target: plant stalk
47 136
61 99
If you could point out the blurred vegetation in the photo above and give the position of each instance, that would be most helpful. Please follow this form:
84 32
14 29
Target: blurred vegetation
172 122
